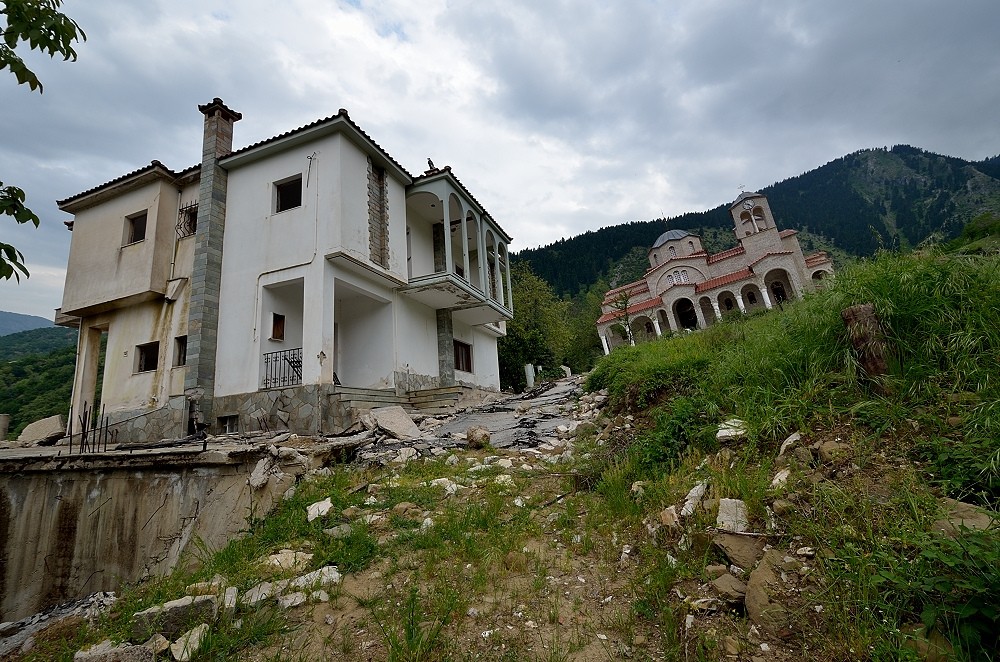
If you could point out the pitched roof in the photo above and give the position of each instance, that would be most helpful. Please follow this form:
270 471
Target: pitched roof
817 258
634 308
155 170
726 279
726 254
638 287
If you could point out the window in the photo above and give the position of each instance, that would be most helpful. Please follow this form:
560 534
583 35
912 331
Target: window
277 326
673 251
187 220
751 297
229 424
463 356
288 194
728 303
180 350
147 356
691 246
135 228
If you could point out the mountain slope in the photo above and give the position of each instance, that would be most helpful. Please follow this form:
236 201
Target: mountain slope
15 322
858 203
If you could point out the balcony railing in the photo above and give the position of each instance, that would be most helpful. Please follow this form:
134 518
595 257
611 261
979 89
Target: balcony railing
282 368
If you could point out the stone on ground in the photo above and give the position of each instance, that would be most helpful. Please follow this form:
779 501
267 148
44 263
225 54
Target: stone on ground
959 514
693 498
730 588
477 437
188 644
764 603
318 509
288 559
170 617
743 551
732 515
108 652
732 429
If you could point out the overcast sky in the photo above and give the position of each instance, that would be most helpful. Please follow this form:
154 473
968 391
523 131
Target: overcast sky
560 116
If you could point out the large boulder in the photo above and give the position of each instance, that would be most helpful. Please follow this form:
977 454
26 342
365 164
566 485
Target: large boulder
959 514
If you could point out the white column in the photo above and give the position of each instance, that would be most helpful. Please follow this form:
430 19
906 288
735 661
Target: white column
656 325
767 299
465 247
739 302
449 266
604 344
701 318
718 311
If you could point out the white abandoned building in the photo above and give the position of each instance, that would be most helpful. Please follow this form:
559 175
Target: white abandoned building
280 284
686 288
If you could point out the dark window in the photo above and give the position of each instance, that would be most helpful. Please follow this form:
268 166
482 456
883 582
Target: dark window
147 356
229 424
277 326
729 304
187 220
288 194
135 228
751 297
180 350
463 356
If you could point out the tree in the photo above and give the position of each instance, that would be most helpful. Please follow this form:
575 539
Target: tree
538 334
40 25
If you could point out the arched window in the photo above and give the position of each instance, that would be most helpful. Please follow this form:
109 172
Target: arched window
656 259
691 246
751 297
670 279
673 251
728 303
684 276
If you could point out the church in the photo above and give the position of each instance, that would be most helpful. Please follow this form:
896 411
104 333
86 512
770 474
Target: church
687 288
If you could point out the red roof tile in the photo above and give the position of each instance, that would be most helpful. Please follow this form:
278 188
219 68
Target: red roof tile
635 308
819 257
719 281
787 233
726 254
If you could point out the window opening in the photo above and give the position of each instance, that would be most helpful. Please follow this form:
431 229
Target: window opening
229 424
180 350
672 250
463 356
288 194
147 356
728 304
277 326
751 297
135 228
187 220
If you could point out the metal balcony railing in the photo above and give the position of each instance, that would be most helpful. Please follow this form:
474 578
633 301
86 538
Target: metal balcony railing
282 368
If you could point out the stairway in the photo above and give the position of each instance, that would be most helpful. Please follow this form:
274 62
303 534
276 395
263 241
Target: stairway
348 404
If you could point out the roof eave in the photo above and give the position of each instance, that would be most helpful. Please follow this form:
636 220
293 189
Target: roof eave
113 189
337 124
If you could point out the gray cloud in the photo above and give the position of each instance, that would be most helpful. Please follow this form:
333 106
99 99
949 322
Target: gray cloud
560 116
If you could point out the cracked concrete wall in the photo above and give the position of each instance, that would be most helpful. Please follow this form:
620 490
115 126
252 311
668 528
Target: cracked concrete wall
66 533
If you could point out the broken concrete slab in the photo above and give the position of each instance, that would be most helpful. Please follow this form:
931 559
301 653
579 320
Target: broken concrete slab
47 429
172 617
395 422
288 559
732 515
322 578
292 600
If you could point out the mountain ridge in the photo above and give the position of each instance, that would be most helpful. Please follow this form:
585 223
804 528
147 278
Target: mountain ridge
869 199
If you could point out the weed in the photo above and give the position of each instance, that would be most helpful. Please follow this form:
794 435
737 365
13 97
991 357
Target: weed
413 634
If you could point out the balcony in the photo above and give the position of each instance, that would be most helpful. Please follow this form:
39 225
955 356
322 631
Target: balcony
281 369
444 290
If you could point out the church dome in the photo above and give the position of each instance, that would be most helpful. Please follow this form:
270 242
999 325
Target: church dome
671 235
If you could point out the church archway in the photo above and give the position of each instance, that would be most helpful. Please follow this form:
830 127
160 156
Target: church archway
685 315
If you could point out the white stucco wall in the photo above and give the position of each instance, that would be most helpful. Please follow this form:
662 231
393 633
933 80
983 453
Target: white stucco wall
416 334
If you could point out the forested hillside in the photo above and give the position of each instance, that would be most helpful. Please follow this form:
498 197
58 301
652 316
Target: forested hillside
36 374
869 199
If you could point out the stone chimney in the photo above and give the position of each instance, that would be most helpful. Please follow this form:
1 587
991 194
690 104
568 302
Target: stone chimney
206 277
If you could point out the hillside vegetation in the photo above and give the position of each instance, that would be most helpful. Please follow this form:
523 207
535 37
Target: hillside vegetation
16 322
589 559
36 375
871 199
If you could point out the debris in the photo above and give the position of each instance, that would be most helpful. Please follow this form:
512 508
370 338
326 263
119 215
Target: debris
693 498
732 515
318 509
